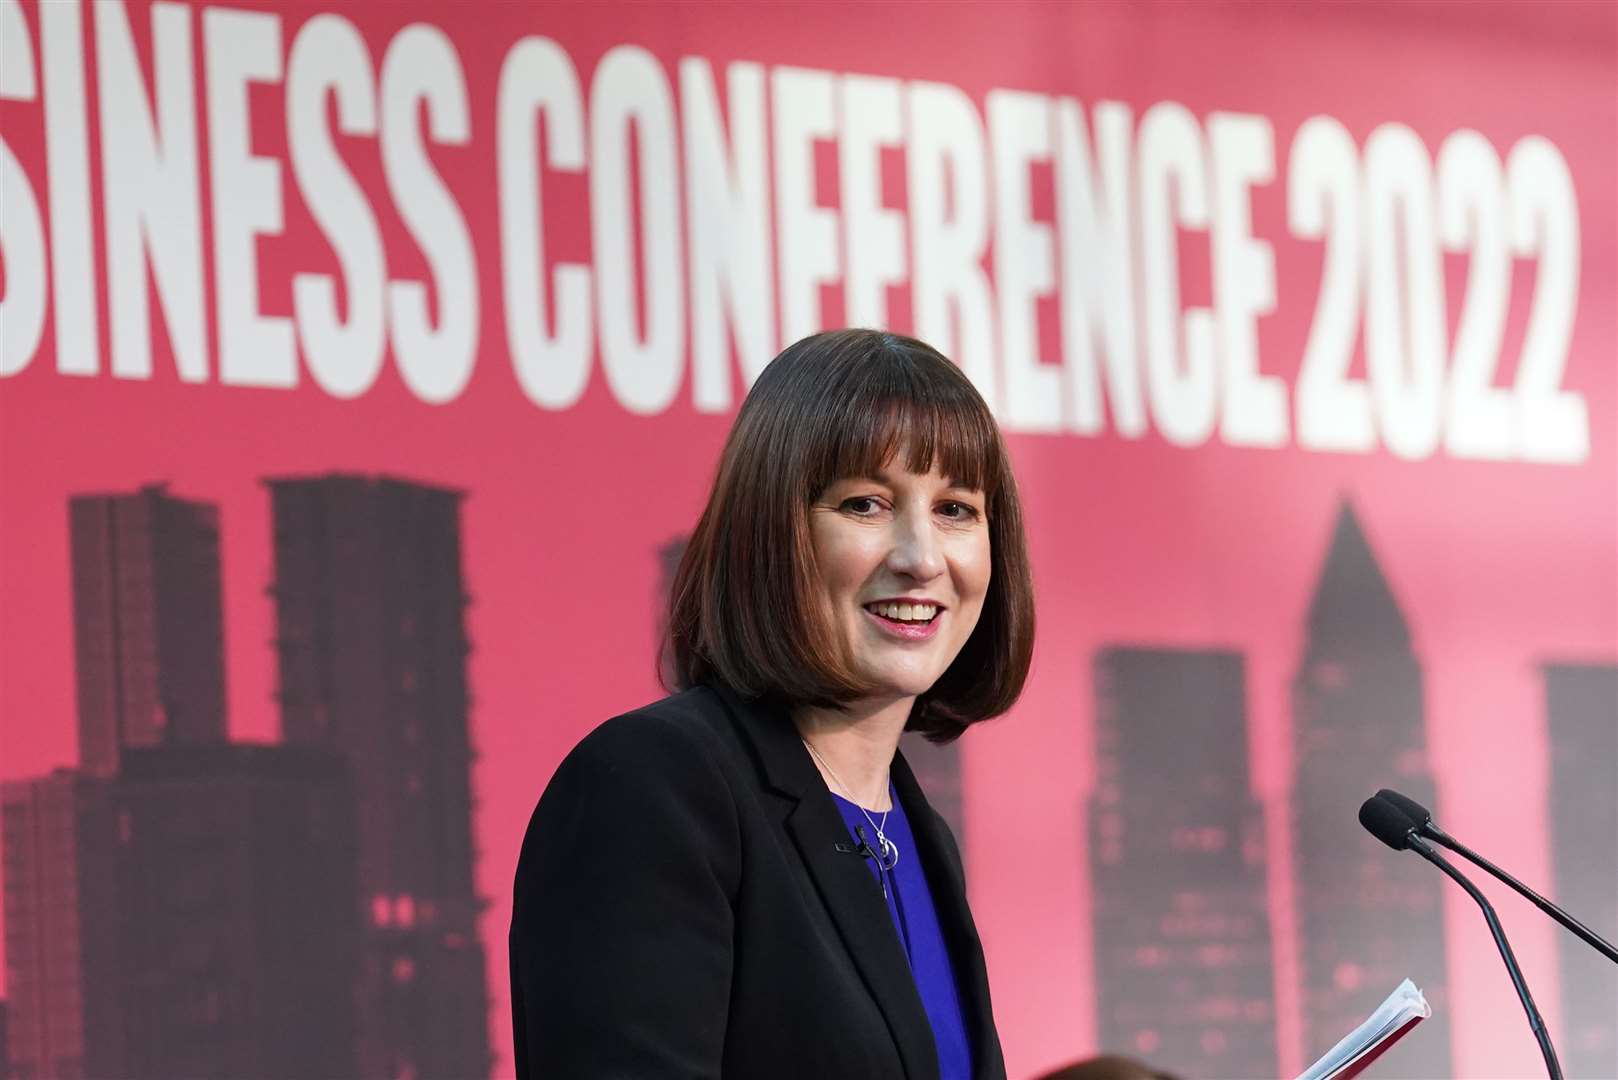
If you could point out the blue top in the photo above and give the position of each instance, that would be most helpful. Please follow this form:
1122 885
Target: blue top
910 902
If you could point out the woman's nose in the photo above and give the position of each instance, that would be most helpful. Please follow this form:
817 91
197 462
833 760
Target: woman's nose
916 551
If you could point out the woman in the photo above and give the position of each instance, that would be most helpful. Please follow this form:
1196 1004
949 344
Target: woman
744 879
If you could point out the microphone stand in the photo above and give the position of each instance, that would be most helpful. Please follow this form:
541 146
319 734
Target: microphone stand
1535 1021
1589 936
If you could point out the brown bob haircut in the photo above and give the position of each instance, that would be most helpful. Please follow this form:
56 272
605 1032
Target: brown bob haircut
836 405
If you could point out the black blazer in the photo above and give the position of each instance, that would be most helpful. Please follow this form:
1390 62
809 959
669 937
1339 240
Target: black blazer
682 909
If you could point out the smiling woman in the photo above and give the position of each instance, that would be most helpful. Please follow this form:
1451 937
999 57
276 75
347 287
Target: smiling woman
744 878
835 411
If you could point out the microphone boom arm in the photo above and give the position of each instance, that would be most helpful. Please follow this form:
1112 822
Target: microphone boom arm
1589 936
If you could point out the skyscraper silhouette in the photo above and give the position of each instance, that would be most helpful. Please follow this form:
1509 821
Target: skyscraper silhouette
1581 703
1177 865
148 623
372 646
1367 919
62 969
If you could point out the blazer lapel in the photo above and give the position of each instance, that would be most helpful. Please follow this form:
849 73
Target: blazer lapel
846 886
948 885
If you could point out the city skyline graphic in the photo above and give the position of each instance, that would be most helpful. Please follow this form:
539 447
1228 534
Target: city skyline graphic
185 905
180 903
1181 924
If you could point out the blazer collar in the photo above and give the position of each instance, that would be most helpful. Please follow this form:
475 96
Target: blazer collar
850 893
775 742
854 899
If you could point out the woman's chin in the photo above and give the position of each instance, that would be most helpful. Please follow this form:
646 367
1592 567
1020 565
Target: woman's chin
902 684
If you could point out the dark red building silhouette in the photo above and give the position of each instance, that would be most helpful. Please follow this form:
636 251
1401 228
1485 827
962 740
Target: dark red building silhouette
62 974
1366 918
372 646
1177 865
1581 704
148 623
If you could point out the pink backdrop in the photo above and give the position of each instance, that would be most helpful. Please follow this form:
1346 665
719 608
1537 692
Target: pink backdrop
1197 543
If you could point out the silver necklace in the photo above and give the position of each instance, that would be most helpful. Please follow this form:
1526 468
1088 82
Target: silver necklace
889 857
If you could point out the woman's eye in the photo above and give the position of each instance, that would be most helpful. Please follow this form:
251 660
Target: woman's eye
959 511
861 504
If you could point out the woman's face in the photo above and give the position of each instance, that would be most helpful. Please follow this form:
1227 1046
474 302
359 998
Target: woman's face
904 566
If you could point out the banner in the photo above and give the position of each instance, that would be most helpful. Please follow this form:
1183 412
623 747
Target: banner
364 367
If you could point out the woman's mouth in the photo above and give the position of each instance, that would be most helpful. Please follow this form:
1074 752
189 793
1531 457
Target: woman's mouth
906 621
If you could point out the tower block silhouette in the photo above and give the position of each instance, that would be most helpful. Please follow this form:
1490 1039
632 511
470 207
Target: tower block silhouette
372 648
1178 866
1366 919
148 623
1581 707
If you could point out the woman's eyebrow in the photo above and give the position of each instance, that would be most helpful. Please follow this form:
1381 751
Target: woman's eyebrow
951 483
955 483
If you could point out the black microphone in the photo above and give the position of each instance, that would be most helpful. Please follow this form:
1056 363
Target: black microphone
1384 820
863 849
1428 828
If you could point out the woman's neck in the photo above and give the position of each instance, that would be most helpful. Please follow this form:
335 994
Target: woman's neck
854 748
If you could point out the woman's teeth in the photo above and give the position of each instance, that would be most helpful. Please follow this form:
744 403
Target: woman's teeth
904 612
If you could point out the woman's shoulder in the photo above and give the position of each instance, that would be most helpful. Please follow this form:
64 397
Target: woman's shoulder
638 790
681 733
698 706
691 716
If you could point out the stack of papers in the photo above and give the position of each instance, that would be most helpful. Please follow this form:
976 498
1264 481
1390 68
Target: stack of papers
1403 1010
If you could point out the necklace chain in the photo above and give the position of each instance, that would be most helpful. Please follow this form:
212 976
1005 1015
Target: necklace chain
889 856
